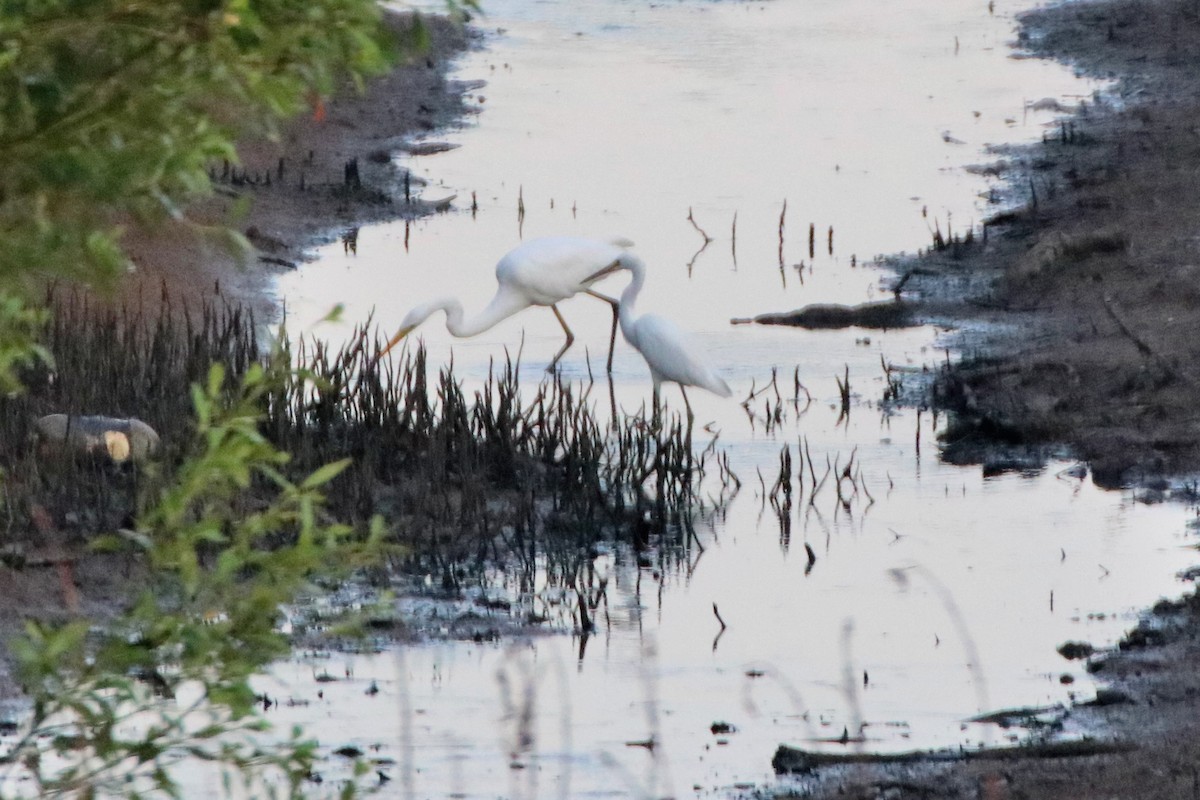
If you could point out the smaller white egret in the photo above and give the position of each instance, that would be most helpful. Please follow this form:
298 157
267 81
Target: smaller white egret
670 353
540 272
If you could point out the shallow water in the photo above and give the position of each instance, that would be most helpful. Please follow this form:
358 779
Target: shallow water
944 597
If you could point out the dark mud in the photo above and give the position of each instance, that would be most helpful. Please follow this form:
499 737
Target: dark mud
1086 287
1076 309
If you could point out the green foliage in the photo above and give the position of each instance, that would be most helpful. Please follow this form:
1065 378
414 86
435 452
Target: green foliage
114 109
111 111
20 326
204 624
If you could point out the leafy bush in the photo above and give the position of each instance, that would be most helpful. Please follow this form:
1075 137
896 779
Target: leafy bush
202 625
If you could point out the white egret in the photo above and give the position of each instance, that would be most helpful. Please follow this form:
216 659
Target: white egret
670 353
540 272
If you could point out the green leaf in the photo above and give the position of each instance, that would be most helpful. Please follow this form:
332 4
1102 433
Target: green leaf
325 474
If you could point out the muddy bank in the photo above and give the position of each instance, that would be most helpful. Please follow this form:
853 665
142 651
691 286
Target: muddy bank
1078 300
1076 313
1141 738
1089 280
329 171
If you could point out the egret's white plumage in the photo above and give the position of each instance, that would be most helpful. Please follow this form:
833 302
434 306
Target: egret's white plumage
540 272
671 354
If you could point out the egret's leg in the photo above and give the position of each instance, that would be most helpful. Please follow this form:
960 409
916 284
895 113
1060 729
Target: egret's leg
690 418
570 338
612 337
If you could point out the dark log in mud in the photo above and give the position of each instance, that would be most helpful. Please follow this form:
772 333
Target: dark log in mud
821 316
793 760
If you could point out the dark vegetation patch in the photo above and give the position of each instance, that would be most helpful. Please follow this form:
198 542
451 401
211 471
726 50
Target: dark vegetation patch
465 481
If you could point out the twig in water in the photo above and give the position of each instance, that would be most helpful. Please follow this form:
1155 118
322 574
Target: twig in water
733 240
717 614
844 390
699 230
782 215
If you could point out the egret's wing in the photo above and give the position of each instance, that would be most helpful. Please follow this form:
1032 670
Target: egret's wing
554 268
676 356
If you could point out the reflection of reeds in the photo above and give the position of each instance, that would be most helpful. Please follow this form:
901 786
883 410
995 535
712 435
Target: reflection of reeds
463 480
487 479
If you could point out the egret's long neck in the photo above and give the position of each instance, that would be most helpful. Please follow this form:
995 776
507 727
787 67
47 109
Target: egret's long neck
502 306
629 297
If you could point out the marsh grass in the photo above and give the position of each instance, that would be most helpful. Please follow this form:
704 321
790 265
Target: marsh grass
464 480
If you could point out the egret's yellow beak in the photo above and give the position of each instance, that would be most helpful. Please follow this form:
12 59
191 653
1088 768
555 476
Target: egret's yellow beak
395 340
609 270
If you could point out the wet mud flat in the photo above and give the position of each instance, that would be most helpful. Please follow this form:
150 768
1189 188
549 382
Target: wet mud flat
1089 278
1075 302
1076 310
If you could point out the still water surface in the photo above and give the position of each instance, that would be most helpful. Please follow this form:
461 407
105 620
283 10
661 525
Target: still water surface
943 598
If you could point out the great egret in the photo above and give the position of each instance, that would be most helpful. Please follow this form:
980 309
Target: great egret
670 353
540 272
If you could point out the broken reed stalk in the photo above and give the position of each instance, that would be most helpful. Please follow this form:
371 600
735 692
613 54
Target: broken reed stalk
843 385
782 218
891 390
918 438
733 239
812 498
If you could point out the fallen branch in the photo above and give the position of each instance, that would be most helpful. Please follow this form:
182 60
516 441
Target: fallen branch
793 760
1142 346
